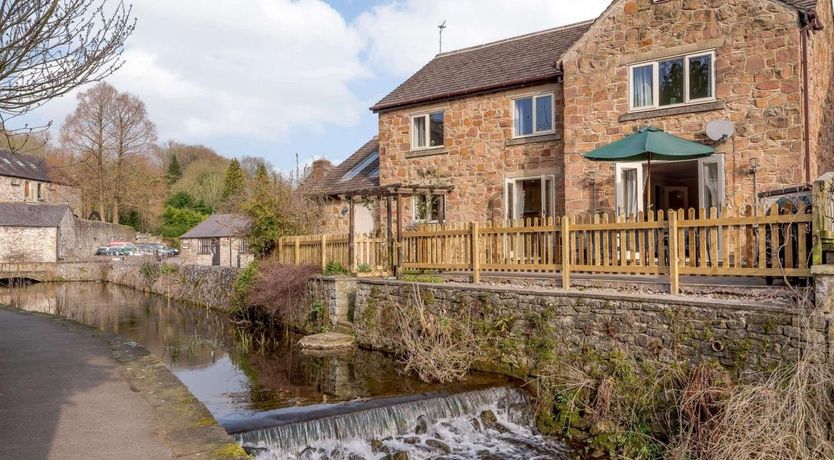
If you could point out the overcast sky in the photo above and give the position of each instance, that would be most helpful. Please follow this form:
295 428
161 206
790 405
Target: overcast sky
278 77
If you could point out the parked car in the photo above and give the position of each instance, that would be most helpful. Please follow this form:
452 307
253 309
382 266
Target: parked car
111 252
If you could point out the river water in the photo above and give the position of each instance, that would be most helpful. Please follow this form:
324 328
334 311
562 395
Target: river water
281 402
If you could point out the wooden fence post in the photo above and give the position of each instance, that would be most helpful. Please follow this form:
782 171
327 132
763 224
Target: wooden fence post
399 261
297 251
674 267
565 252
323 251
475 254
351 237
389 224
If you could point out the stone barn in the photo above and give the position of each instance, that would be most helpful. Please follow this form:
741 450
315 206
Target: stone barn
37 233
32 233
221 240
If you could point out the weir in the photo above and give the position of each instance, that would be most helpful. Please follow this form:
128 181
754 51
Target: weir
494 420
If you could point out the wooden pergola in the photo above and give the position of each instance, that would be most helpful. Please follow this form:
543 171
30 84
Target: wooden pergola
391 192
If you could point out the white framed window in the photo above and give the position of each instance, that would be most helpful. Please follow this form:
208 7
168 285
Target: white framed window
426 208
679 80
629 187
529 197
533 115
427 131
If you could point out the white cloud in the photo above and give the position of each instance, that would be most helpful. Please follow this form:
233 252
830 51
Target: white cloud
402 36
211 71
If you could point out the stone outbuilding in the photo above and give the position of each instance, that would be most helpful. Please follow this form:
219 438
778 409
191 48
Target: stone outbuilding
39 233
221 240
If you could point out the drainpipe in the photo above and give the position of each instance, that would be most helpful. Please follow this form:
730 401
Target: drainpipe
808 21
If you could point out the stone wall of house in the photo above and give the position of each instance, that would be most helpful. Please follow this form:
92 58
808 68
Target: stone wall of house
13 189
80 238
758 87
479 153
821 91
336 217
28 244
524 325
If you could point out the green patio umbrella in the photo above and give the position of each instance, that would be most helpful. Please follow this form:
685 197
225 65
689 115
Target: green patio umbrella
647 144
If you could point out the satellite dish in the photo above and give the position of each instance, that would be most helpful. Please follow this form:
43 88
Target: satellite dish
720 130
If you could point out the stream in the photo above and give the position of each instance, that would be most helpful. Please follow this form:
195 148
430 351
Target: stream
280 402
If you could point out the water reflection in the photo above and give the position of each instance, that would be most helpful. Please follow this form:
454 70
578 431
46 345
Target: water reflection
224 368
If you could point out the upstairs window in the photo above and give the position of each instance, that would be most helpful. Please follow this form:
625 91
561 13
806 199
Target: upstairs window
427 131
533 115
426 208
675 81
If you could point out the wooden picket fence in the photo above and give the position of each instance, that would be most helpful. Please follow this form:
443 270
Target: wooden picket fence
671 243
370 252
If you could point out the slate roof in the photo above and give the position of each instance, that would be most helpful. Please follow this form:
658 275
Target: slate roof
336 184
220 225
31 215
526 59
802 4
23 166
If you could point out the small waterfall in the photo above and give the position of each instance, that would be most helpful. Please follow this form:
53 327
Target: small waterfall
452 418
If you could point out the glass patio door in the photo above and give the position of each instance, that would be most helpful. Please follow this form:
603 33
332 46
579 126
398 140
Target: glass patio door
630 188
711 182
529 197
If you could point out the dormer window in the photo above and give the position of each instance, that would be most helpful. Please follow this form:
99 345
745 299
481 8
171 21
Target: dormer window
427 131
675 81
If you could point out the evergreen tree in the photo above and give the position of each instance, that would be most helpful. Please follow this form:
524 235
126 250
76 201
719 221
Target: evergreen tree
174 170
234 181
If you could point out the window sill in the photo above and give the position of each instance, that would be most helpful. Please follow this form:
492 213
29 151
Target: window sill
679 110
533 139
426 152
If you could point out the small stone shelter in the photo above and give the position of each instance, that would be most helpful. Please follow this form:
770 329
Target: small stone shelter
221 240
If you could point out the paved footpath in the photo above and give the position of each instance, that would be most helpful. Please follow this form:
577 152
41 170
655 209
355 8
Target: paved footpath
63 396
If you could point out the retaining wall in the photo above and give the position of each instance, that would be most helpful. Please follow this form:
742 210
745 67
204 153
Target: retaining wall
525 326
212 287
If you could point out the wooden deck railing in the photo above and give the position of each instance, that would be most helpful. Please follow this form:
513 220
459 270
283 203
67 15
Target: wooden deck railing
670 243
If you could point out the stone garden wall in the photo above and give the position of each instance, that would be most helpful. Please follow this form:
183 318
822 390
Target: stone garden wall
212 287
524 326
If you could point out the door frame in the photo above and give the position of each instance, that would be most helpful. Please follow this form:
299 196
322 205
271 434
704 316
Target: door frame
215 252
517 197
619 167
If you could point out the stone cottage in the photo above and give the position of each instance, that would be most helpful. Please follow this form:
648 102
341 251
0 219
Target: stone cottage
221 240
503 126
358 175
27 179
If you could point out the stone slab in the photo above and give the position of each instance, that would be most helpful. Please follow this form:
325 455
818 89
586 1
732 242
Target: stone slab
327 341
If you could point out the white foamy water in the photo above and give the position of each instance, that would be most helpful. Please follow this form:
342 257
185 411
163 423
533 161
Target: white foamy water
451 428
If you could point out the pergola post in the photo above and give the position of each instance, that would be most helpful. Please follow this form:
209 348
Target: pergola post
441 209
351 237
389 221
399 234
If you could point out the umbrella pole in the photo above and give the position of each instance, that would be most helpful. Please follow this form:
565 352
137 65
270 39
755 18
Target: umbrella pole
649 184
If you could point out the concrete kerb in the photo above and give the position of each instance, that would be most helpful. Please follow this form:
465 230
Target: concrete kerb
185 424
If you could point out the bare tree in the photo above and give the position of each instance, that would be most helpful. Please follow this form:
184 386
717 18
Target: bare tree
132 134
50 47
85 133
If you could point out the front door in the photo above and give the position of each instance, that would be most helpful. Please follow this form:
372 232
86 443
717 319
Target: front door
215 251
630 187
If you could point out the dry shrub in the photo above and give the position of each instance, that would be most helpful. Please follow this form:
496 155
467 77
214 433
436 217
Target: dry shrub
281 290
438 348
701 409
788 416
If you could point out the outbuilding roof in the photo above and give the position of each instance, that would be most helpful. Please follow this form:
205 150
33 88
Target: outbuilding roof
524 60
23 166
32 215
359 171
220 225
802 4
